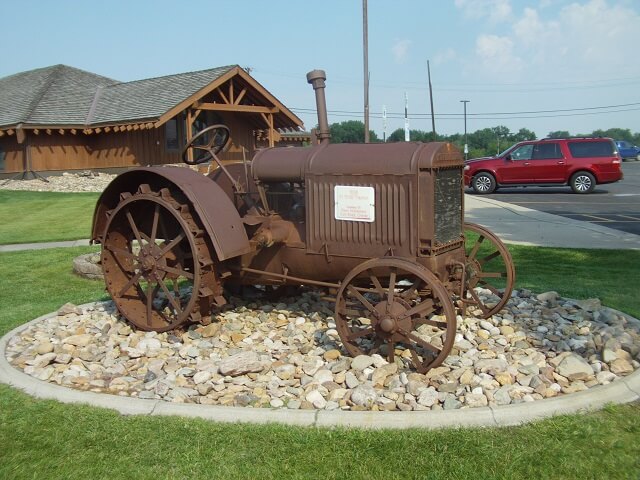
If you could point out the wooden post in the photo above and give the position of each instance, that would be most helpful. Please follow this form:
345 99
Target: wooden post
189 132
271 141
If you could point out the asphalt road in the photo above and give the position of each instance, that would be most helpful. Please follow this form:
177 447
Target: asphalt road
615 205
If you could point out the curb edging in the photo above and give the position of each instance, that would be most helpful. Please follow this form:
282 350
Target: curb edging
625 390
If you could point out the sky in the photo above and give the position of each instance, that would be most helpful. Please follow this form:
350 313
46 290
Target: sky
544 65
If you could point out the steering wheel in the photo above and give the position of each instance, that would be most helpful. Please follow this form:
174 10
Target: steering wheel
218 141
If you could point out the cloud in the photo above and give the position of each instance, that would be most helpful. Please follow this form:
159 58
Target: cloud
496 53
584 40
444 56
496 11
400 50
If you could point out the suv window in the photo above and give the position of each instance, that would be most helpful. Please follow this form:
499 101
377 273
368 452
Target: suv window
522 153
602 148
547 150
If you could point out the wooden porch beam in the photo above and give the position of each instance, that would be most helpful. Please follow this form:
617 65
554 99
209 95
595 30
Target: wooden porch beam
221 107
226 100
48 131
189 133
35 132
1 133
61 131
73 131
240 96
10 131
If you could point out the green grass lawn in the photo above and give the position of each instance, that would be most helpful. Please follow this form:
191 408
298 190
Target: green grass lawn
27 217
46 439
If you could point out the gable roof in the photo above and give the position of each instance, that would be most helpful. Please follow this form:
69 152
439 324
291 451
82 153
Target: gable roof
65 96
52 95
149 98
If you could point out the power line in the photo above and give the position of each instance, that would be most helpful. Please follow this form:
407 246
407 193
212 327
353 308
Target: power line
483 87
493 115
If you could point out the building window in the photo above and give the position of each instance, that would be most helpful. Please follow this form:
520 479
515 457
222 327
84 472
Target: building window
2 162
172 141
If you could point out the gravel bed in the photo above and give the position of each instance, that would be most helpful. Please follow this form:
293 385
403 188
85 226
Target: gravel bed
67 182
289 356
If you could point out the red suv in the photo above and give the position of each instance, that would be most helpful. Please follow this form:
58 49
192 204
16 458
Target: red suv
581 163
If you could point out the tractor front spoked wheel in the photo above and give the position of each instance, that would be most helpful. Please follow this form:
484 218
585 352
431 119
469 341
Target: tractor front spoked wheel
490 273
157 265
394 307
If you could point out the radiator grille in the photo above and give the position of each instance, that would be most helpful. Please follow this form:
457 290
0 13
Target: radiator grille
448 206
389 229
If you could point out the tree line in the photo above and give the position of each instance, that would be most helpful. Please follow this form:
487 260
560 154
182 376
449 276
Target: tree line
481 143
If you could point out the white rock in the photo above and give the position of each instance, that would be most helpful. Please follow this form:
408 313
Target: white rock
364 395
201 377
361 362
241 363
316 399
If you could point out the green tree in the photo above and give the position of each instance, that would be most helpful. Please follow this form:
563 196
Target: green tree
559 134
615 133
523 135
350 131
396 136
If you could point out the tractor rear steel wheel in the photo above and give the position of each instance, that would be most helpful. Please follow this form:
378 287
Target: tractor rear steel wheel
488 266
158 266
392 306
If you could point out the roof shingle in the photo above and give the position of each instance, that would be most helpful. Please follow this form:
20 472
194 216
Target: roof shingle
62 95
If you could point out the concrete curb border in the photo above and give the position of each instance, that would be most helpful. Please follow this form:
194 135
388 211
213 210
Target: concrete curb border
626 390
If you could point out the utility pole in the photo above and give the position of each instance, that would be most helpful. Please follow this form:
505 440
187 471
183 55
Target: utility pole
406 118
466 147
433 117
365 48
384 123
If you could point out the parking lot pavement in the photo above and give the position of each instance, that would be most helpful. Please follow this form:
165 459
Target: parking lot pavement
521 225
615 205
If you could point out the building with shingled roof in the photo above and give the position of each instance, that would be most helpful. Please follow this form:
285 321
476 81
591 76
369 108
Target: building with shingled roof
61 118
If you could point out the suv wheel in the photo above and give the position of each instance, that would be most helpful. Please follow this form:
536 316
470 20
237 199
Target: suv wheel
582 182
483 183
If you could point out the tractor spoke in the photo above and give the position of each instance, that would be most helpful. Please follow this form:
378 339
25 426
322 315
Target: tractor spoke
172 244
411 290
360 333
392 288
351 289
422 309
376 283
134 227
489 257
419 341
149 295
492 274
176 271
490 287
154 226
170 297
476 247
121 252
128 285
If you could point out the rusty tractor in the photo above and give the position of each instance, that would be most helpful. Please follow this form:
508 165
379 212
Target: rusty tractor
379 226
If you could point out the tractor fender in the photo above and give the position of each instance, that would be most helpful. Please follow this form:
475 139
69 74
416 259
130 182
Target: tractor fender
212 205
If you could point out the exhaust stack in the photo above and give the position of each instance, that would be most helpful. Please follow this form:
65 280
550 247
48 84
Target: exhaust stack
316 78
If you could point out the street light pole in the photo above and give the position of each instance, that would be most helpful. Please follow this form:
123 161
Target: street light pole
466 148
365 49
